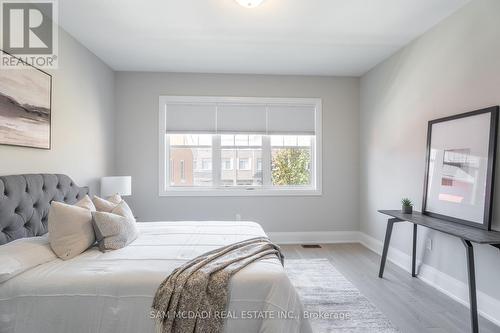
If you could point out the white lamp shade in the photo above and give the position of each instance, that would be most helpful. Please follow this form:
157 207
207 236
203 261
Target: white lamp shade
114 185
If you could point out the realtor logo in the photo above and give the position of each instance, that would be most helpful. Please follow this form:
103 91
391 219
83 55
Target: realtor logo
29 33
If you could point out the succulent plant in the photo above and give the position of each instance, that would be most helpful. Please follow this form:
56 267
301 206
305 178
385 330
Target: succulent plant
406 202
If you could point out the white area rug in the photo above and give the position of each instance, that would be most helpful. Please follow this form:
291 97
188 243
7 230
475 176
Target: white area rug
334 303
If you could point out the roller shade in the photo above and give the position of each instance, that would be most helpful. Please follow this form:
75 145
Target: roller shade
191 118
242 119
217 116
291 119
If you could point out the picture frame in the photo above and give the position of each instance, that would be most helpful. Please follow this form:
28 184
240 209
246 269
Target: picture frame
25 106
460 167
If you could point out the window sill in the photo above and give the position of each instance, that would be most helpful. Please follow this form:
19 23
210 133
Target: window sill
232 192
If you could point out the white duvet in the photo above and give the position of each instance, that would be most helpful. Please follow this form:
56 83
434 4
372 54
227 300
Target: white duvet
113 291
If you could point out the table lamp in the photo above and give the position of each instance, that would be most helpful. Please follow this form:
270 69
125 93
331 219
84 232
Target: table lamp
116 185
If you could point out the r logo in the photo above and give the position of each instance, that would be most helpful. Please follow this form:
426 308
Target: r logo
27 27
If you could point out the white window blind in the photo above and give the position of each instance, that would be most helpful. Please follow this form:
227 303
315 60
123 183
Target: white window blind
291 119
190 118
242 118
239 115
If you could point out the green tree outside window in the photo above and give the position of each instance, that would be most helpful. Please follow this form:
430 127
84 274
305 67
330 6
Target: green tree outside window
291 167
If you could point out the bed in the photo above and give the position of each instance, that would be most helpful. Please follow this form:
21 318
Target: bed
113 291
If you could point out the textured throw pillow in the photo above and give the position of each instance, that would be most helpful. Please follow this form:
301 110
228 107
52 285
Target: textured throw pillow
70 229
86 203
115 229
106 205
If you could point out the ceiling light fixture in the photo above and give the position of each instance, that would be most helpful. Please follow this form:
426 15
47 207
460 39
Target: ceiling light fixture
249 3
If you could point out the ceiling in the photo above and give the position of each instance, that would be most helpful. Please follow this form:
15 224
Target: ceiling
306 37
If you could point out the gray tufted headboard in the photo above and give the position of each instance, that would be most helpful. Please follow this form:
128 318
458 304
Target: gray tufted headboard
25 202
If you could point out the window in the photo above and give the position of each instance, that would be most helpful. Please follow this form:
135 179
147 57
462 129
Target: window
191 158
171 168
206 164
227 164
243 164
183 171
291 160
240 146
259 164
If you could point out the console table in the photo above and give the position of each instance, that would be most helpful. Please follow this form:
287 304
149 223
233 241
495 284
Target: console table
467 235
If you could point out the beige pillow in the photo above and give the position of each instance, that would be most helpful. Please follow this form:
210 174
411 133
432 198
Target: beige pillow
106 205
86 203
116 229
115 198
124 210
70 229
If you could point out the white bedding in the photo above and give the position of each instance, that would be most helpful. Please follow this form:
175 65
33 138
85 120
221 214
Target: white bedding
113 291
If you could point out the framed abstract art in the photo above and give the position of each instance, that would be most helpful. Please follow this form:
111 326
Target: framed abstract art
25 107
460 167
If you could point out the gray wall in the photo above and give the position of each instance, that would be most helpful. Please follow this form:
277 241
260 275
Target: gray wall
137 150
451 69
82 120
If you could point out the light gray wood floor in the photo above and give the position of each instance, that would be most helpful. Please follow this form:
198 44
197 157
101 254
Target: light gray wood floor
409 303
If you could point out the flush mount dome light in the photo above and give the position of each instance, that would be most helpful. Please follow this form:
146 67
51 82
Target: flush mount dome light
249 3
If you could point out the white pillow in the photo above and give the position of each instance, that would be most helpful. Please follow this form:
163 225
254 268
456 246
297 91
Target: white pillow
70 230
23 254
86 203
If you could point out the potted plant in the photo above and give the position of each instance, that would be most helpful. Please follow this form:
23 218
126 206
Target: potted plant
407 207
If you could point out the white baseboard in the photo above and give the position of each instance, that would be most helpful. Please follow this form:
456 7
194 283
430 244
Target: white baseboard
488 307
324 237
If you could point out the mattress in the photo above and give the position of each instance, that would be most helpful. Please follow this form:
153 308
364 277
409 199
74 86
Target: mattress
113 291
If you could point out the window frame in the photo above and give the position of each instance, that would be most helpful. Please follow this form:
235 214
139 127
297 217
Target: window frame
315 189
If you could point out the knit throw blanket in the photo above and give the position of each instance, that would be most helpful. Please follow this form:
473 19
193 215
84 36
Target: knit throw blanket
195 295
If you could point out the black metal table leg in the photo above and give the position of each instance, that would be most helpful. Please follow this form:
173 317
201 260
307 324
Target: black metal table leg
388 232
472 286
414 252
